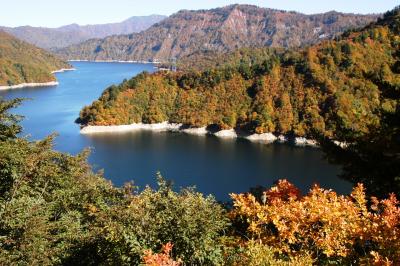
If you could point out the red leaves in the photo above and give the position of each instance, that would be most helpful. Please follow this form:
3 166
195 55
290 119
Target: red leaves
161 259
283 191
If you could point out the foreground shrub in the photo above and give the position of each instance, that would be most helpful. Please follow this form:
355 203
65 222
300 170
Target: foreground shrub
255 253
55 210
331 228
44 199
148 219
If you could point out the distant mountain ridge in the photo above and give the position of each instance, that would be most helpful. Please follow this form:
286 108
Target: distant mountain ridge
222 29
21 62
73 34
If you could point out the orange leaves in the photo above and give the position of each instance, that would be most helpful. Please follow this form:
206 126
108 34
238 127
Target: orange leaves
284 191
322 222
331 89
160 259
378 260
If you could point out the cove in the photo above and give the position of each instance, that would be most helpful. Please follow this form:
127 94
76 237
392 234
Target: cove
214 165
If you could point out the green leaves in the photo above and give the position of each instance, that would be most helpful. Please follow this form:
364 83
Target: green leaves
9 127
21 62
148 219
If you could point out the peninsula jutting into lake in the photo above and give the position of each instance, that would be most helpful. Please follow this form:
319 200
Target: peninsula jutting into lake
165 149
213 135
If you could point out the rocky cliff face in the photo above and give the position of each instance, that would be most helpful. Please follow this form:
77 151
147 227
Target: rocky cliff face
222 29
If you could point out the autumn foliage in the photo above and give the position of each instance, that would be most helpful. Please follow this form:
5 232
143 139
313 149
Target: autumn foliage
322 223
55 211
160 259
344 90
335 88
21 62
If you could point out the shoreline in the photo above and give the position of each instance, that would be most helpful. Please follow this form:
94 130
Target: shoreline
265 138
38 84
63 70
30 85
114 61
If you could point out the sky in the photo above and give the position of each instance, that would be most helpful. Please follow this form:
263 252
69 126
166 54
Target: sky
54 13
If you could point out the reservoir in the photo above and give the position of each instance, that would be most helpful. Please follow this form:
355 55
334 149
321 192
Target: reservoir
215 166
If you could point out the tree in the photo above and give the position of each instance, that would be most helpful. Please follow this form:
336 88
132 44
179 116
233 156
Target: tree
374 158
9 127
284 113
148 219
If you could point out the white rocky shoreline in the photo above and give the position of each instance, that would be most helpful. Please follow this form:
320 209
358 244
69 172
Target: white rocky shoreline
63 70
202 131
26 85
39 84
113 61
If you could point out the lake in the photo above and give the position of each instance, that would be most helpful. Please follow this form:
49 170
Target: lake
215 166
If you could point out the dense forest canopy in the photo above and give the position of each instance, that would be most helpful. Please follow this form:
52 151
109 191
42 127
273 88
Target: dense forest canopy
21 62
333 88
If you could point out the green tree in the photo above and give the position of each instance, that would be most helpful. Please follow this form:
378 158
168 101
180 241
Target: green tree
9 127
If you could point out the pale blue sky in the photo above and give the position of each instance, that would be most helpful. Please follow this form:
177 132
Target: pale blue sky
53 13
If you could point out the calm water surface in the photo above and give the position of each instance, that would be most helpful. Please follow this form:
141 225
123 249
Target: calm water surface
213 165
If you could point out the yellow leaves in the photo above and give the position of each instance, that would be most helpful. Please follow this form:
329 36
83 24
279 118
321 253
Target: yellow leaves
275 73
253 227
92 209
257 254
378 260
321 221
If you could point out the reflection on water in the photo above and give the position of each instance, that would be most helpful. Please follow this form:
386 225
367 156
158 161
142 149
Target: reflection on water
213 165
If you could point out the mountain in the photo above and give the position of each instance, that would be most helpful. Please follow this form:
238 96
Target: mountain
72 34
267 89
221 29
21 62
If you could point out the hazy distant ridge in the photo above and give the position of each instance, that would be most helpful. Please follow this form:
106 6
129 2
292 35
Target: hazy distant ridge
72 34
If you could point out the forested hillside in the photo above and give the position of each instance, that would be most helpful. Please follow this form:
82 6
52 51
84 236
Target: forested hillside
21 62
344 89
329 86
73 34
222 30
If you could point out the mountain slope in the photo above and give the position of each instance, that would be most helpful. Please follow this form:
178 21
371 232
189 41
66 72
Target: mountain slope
21 62
72 34
324 87
222 29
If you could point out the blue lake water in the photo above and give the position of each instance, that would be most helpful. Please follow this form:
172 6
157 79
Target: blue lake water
215 166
